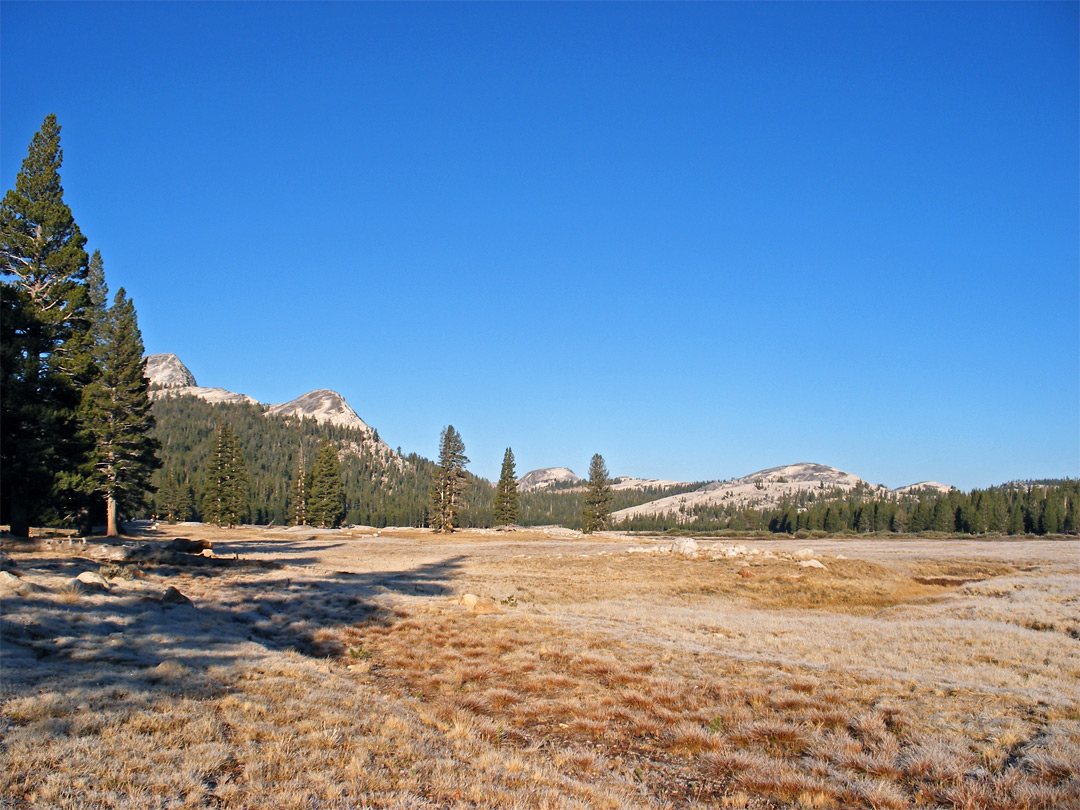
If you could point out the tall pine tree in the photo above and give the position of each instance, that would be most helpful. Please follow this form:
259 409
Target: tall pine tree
115 410
225 499
597 512
326 500
45 361
449 488
298 496
507 508
175 499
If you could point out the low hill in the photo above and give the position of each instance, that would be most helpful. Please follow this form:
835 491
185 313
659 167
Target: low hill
765 489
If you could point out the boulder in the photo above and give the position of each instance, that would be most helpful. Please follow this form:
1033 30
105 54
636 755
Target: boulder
9 583
191 546
812 564
113 553
174 597
89 581
685 546
804 554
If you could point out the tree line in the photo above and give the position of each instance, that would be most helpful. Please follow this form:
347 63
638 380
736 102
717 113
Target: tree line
1041 508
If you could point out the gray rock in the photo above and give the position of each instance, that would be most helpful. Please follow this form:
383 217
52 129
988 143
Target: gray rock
113 553
812 564
88 581
191 546
685 546
173 597
9 583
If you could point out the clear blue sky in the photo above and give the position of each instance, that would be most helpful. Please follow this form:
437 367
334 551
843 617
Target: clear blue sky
701 239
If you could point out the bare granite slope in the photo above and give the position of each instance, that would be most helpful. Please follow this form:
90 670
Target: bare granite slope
169 377
764 489
547 477
324 406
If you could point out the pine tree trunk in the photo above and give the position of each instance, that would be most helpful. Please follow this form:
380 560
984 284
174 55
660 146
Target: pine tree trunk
20 519
110 506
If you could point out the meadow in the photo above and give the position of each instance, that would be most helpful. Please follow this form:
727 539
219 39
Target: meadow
539 669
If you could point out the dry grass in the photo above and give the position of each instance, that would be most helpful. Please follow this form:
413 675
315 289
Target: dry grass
348 674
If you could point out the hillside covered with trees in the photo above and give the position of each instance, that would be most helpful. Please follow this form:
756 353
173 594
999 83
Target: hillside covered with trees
1044 507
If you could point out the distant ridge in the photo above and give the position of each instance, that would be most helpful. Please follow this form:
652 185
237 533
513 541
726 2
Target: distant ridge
922 486
169 377
766 489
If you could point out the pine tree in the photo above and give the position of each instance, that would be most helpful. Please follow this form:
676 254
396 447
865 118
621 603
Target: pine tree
507 508
45 364
449 488
597 512
326 501
115 410
298 497
225 500
174 500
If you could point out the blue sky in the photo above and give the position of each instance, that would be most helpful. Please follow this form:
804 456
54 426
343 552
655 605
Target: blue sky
701 239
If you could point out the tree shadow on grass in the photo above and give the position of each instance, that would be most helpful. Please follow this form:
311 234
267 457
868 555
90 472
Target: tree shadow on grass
126 639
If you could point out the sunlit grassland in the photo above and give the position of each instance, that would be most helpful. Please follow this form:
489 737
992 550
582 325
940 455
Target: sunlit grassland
342 670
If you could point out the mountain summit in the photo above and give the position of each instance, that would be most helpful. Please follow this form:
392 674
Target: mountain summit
547 477
167 371
169 377
324 406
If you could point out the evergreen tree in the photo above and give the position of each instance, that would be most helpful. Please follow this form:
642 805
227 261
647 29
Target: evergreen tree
326 500
225 500
175 501
597 512
449 486
298 498
507 508
833 519
944 519
43 264
115 410
1014 524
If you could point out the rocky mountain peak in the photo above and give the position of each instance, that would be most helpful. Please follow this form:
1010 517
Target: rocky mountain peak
547 477
167 371
322 405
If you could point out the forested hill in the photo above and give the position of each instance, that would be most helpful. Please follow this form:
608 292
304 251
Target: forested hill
380 490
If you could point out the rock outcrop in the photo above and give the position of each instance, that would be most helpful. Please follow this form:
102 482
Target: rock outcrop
547 477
